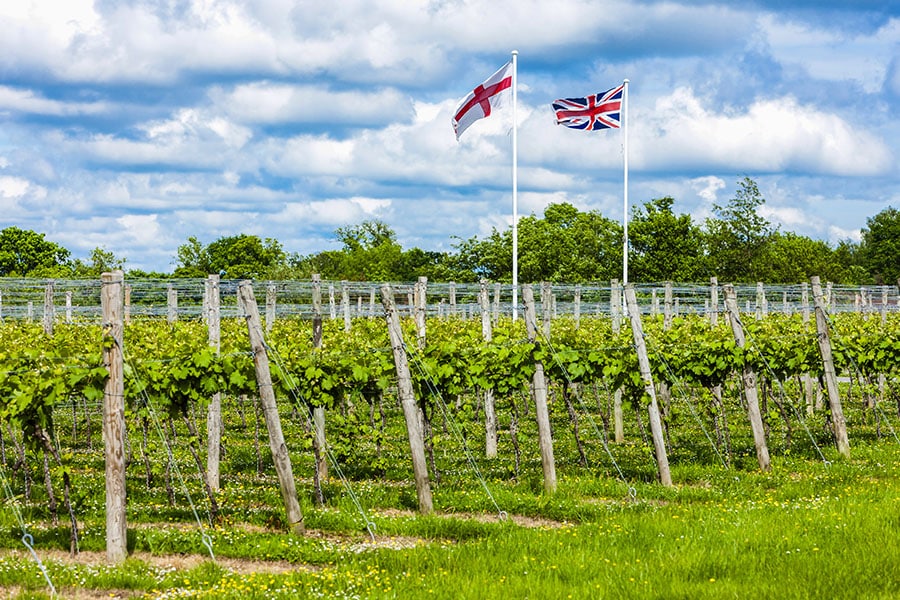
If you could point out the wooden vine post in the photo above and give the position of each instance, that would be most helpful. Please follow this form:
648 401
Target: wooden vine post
615 307
838 423
542 413
171 304
408 401
748 380
214 412
318 411
490 415
49 311
419 305
345 304
280 455
271 301
111 301
637 331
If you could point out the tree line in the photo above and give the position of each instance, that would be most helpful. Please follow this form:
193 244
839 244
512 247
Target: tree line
565 244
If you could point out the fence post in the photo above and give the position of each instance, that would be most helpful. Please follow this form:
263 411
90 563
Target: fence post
280 455
49 311
172 304
114 416
271 301
659 443
615 308
542 413
214 425
319 439
838 423
408 402
490 416
748 379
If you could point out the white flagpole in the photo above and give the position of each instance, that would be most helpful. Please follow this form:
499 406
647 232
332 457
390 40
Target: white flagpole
515 191
625 195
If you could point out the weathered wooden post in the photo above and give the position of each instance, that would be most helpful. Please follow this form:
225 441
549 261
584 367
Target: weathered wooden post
408 402
345 304
838 423
546 308
271 306
615 307
419 302
637 331
453 298
542 413
69 306
49 310
280 455
806 378
748 378
114 416
490 416
214 411
127 303
495 317
171 304
318 412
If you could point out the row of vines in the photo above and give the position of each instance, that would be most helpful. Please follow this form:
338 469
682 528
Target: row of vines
172 366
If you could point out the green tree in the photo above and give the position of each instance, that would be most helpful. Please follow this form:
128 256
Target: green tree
738 235
233 257
664 246
792 258
565 245
101 261
880 248
24 253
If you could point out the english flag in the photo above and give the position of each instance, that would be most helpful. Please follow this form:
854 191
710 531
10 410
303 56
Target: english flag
478 103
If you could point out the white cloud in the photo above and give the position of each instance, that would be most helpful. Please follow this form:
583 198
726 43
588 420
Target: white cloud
772 135
707 187
27 101
833 55
838 234
191 138
143 229
791 218
276 103
336 211
13 187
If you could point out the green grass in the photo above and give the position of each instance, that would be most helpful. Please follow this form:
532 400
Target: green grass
807 529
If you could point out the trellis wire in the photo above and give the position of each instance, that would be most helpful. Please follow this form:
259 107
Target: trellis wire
27 538
435 393
632 491
149 297
296 396
206 540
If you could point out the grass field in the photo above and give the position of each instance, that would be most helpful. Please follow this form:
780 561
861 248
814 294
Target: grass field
811 528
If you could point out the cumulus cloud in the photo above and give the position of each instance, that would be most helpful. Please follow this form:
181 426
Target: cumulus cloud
771 135
27 101
832 54
708 187
191 138
277 103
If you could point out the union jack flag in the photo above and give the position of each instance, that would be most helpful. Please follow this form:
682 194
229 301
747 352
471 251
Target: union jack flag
597 111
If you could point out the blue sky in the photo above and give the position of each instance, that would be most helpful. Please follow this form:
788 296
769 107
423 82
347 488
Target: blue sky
134 125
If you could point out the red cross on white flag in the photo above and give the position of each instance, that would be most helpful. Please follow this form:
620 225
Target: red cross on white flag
478 103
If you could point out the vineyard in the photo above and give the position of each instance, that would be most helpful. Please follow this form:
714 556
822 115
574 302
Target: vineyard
204 477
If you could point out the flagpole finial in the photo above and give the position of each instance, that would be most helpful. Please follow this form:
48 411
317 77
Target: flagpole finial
626 81
514 52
